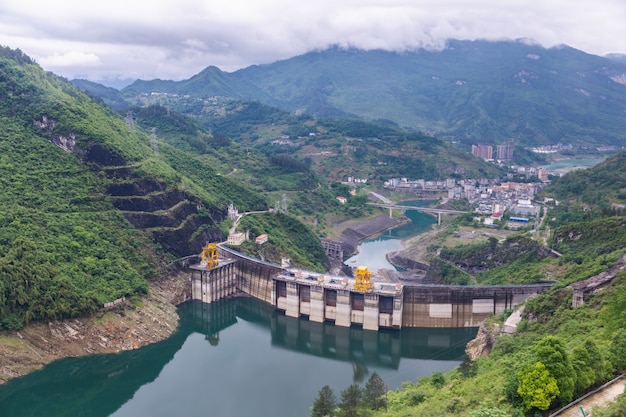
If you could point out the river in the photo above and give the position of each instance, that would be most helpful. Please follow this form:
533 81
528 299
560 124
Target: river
236 357
372 252
567 165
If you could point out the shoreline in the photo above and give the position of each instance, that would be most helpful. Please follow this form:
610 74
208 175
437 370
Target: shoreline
126 327
132 326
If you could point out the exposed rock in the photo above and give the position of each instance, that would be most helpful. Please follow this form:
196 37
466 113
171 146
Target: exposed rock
510 325
482 344
127 326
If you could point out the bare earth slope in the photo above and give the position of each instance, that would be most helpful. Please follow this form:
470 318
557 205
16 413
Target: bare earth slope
121 328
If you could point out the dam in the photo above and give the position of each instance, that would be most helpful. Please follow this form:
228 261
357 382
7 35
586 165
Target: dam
341 300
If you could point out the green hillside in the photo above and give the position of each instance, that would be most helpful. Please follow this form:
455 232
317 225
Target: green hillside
91 205
602 187
334 149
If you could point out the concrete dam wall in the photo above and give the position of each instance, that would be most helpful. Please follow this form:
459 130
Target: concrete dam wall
325 298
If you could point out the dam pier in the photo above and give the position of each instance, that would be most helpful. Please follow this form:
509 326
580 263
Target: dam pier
350 301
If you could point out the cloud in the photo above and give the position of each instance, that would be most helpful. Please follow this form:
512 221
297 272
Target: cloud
174 40
74 59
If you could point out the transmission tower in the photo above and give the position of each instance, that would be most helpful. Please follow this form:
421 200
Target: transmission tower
285 203
153 142
129 119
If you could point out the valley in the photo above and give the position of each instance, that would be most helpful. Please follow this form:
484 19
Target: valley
99 202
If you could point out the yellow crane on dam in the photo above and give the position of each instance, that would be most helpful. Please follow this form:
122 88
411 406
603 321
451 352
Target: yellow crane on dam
363 276
209 256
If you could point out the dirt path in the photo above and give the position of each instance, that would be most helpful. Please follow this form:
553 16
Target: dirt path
602 397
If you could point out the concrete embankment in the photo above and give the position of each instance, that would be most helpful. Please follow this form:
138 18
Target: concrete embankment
403 262
597 398
353 235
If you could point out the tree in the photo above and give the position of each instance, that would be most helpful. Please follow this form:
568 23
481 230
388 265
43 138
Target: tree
350 401
537 387
484 411
598 362
550 351
325 403
467 368
583 368
375 394
438 379
617 350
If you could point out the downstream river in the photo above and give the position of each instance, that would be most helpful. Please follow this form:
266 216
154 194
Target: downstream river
372 252
235 357
567 165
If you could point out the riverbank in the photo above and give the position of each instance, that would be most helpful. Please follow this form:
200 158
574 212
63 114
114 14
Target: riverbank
354 234
414 249
130 325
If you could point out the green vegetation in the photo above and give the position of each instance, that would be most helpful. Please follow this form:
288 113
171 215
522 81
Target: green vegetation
332 148
287 237
355 401
74 176
457 92
325 403
603 187
64 249
558 353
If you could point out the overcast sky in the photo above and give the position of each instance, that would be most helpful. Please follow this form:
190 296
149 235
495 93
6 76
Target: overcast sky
174 39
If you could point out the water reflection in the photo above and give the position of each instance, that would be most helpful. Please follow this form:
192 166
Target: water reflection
100 385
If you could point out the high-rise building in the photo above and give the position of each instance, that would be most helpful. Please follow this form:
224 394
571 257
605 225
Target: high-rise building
482 151
505 151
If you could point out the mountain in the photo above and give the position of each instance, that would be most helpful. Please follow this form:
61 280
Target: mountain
621 58
471 91
602 187
109 95
91 206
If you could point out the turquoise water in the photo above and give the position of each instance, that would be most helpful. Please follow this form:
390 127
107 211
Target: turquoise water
238 358
372 252
232 358
569 164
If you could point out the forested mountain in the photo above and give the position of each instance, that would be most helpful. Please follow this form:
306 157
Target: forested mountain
91 206
602 187
478 91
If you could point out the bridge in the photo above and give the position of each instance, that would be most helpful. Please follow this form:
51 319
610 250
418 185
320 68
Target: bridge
325 298
437 211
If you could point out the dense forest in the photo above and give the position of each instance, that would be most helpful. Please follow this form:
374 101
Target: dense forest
94 205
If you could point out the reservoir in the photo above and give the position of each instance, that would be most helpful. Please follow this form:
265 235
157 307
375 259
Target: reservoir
237 357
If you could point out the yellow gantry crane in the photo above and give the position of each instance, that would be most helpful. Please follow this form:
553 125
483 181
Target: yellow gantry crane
363 276
209 255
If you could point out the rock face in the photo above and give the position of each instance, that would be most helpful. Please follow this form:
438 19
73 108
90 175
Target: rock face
483 342
124 327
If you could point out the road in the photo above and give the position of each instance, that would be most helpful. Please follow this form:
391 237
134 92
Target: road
602 397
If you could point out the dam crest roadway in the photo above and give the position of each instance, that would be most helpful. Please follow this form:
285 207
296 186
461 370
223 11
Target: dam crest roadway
332 299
